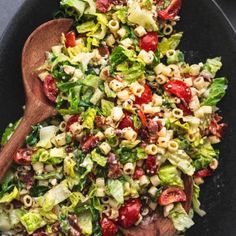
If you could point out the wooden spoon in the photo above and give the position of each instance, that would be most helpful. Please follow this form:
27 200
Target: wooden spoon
37 106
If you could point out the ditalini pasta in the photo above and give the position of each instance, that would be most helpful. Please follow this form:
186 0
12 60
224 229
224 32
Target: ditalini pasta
133 118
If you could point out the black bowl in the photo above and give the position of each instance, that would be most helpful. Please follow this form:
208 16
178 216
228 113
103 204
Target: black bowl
207 33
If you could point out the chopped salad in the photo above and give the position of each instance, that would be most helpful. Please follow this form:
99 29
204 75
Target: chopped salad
134 119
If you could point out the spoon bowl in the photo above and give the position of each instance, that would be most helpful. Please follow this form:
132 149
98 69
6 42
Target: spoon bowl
37 106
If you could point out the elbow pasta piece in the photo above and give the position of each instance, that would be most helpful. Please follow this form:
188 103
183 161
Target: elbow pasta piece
117 113
27 201
129 134
161 79
151 149
177 113
140 31
199 83
137 89
105 148
129 168
173 146
113 25
156 100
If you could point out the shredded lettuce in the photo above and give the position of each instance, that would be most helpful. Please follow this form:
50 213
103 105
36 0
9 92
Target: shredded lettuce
169 43
122 14
115 189
98 158
170 176
216 92
85 222
106 107
89 117
180 218
69 165
196 202
8 132
91 81
213 65
32 221
8 197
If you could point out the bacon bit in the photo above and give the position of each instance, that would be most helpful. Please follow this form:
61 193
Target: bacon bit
89 143
71 121
100 121
40 232
215 128
104 51
74 222
144 134
56 227
28 179
115 170
103 5
154 126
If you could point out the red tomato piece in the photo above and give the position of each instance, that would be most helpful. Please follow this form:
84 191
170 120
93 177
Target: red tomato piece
149 42
50 88
179 89
109 228
171 11
71 121
126 122
70 39
142 117
185 109
146 96
151 165
90 142
138 173
206 172
129 213
23 156
170 195
103 5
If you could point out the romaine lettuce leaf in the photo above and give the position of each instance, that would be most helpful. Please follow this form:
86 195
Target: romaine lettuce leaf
89 117
91 81
116 190
196 202
98 158
213 65
216 92
85 222
170 176
8 197
8 132
106 107
122 14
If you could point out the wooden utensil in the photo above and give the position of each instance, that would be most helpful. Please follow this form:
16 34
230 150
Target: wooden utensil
37 106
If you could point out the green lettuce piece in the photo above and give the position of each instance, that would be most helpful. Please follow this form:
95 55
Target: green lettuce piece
32 221
91 81
8 197
33 137
196 202
106 107
122 14
97 96
216 92
129 144
182 161
8 132
126 155
4 221
213 65
98 158
170 176
118 56
54 196
50 175
108 91
88 164
180 218
85 223
116 190
69 165
91 7
142 17
74 97
89 117
175 58
167 44
86 27
204 155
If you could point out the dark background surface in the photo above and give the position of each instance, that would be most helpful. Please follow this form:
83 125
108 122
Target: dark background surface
219 192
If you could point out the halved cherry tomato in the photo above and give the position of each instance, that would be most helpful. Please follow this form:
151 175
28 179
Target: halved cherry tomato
50 88
138 173
23 156
179 89
126 122
170 195
171 11
206 172
71 121
142 117
149 42
103 5
129 213
151 165
89 143
146 96
70 39
185 109
109 228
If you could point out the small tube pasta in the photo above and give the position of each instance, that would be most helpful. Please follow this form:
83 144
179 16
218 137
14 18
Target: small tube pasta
113 25
148 109
144 181
129 168
122 32
123 95
199 83
173 146
152 191
214 164
155 181
117 113
168 29
177 113
161 79
156 100
100 192
194 70
105 200
127 43
100 182
163 142
147 57
110 40
60 139
107 210
116 85
137 89
140 31
128 104
151 149
27 201
129 134
159 69
105 148
62 126
109 132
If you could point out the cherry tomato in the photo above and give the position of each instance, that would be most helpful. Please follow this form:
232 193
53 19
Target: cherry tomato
129 213
70 39
171 11
170 195
89 143
50 88
126 122
151 165
146 96
206 172
179 89
71 121
109 228
138 173
23 156
149 42
185 109
142 117
103 5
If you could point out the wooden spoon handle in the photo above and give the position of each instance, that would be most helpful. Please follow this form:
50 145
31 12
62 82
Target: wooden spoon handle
16 141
